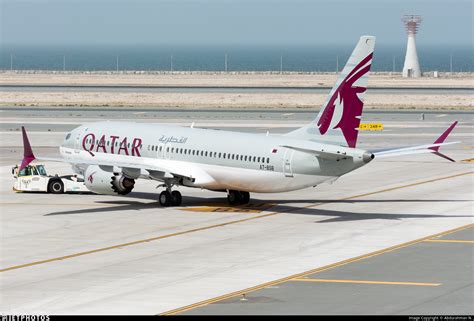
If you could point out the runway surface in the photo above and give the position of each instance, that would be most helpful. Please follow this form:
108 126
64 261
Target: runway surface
213 89
394 237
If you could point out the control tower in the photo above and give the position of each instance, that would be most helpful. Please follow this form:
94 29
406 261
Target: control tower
411 67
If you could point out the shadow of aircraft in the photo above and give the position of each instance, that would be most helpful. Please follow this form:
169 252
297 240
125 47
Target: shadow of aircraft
282 208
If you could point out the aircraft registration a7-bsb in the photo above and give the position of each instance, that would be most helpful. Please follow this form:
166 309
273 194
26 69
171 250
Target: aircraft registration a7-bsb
113 155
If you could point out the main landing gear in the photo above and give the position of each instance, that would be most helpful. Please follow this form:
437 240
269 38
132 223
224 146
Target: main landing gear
238 197
168 198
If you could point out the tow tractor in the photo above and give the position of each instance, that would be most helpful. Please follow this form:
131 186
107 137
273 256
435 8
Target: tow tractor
33 178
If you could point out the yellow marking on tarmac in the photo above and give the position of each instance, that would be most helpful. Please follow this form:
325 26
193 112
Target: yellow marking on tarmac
371 127
313 271
450 241
469 160
219 208
366 282
220 225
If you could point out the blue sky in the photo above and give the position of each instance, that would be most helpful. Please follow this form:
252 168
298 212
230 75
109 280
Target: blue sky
230 22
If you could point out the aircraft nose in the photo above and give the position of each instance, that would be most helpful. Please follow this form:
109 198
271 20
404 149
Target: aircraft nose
367 157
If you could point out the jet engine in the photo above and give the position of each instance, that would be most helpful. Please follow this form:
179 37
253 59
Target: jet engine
107 182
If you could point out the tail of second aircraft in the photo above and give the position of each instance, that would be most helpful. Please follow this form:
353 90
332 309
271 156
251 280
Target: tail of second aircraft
339 119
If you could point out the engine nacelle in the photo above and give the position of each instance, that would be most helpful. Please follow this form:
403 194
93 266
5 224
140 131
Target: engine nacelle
103 182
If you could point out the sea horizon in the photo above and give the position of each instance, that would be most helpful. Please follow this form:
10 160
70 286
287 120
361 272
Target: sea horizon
298 58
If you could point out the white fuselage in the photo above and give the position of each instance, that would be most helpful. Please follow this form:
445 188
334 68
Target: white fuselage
218 160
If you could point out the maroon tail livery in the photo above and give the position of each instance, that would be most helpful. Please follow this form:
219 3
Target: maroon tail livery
28 155
339 119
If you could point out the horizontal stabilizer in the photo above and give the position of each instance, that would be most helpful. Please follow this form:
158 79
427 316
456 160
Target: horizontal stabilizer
421 149
320 153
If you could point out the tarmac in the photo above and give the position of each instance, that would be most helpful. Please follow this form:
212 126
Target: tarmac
394 237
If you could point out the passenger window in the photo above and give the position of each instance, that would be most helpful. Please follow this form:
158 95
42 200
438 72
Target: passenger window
172 150
202 153
205 154
258 160
223 156
268 160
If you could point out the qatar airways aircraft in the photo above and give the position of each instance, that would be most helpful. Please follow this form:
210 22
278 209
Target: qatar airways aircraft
113 155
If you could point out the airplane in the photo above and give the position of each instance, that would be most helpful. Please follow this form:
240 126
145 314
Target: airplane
113 155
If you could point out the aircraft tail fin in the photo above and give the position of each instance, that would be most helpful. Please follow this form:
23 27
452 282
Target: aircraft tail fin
28 155
339 118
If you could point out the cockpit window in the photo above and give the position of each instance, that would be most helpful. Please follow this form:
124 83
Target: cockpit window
68 135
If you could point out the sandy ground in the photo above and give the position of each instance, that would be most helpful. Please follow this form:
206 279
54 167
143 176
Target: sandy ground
401 100
225 100
458 80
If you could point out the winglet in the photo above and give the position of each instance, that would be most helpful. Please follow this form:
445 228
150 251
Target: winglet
28 155
441 140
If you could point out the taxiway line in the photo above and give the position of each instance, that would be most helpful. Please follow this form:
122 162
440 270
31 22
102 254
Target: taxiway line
313 271
450 241
366 282
74 255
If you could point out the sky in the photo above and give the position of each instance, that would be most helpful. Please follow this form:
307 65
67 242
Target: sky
230 22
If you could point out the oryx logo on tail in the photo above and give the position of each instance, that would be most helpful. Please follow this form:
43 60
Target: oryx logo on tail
339 118
346 95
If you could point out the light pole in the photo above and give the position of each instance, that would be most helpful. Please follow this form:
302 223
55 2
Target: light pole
281 64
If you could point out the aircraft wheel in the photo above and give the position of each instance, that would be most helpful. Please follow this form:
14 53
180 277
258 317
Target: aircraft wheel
165 198
176 198
234 197
245 197
56 187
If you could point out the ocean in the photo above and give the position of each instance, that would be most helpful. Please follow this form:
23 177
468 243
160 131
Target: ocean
213 58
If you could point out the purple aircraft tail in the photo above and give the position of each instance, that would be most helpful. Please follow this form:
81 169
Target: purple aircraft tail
28 155
339 118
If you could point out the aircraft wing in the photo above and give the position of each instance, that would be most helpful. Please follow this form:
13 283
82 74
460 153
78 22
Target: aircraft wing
158 169
421 149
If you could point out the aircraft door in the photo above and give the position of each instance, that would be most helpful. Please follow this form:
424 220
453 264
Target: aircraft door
161 151
287 158
77 140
